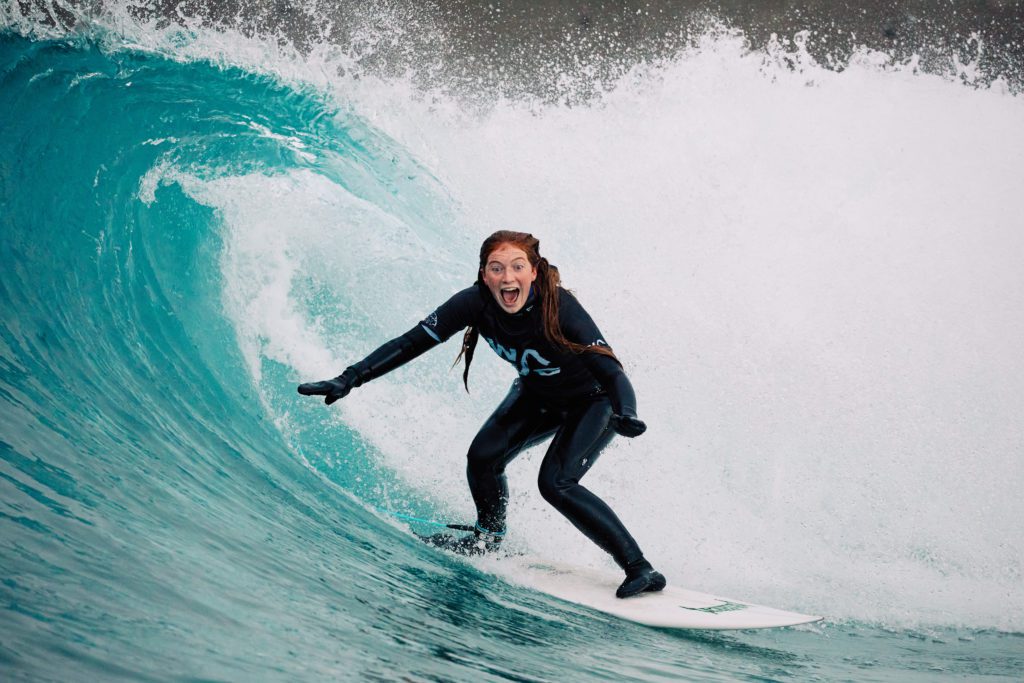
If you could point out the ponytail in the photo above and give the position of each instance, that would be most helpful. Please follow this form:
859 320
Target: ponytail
549 275
469 341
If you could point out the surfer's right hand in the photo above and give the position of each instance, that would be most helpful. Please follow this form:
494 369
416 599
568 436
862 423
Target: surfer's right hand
628 425
331 389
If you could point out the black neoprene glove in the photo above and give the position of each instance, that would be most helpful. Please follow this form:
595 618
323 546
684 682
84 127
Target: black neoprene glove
628 425
331 389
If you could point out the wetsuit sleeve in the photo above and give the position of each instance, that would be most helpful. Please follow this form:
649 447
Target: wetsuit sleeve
579 327
459 312
450 317
391 355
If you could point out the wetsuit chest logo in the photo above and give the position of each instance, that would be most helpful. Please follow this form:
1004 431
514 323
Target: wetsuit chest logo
522 360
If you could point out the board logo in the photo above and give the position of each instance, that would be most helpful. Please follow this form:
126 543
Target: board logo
717 609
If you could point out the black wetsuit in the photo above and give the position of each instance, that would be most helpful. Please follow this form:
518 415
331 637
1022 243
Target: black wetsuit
571 396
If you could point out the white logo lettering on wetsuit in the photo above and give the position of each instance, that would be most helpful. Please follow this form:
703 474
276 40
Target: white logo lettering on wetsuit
524 369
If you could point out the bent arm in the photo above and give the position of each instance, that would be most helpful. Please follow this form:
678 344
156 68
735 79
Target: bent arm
620 391
579 327
613 379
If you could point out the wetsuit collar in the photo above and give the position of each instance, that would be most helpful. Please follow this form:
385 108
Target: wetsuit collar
531 301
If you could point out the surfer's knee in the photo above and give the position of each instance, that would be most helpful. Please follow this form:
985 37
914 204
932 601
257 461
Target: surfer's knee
553 488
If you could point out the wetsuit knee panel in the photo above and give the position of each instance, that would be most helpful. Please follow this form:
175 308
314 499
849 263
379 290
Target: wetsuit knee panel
553 488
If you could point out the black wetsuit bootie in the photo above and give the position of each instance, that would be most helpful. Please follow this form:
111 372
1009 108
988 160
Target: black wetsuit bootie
479 543
640 578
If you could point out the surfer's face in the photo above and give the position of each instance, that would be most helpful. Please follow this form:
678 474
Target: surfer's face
508 274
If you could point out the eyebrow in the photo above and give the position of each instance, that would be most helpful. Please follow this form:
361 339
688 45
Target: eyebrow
517 258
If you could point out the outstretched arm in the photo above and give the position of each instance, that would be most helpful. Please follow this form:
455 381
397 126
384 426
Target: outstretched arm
391 355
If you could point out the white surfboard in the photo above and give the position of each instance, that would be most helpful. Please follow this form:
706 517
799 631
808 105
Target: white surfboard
672 607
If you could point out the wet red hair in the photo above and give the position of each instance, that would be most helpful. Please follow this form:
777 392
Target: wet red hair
548 283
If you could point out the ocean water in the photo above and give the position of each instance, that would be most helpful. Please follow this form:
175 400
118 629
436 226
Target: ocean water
813 276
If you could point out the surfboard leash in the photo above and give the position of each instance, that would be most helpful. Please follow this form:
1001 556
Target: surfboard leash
410 518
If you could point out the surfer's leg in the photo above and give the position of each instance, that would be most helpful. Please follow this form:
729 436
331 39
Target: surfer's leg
573 452
517 423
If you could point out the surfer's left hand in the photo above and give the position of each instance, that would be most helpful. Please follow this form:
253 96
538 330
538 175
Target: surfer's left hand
330 389
628 425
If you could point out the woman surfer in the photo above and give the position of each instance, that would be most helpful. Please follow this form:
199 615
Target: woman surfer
570 387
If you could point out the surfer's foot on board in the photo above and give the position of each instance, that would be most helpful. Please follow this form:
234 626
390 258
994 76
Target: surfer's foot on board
640 578
477 543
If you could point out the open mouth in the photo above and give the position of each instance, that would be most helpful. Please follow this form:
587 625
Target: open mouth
509 295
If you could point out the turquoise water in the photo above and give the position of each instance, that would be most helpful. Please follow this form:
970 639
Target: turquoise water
834 389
